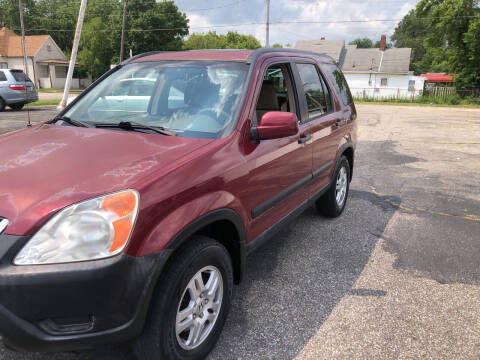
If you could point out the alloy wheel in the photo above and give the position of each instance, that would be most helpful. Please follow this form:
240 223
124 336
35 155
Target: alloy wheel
341 186
199 307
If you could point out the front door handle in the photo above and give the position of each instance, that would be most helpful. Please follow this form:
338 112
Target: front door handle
304 138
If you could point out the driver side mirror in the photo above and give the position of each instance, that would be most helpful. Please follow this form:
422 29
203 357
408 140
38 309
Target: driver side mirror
275 125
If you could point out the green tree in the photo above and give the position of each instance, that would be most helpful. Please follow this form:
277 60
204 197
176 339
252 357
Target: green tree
362 43
158 26
411 32
212 40
9 15
96 48
444 36
277 45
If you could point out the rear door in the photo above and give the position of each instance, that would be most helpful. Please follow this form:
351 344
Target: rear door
323 113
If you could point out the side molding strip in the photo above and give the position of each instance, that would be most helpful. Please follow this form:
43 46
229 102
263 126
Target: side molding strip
260 209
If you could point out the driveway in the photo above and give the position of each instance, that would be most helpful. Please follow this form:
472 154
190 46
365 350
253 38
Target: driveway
396 276
12 120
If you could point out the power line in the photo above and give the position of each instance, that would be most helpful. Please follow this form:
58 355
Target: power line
262 23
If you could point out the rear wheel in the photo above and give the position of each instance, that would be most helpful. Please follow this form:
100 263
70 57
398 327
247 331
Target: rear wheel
2 104
333 202
17 106
190 304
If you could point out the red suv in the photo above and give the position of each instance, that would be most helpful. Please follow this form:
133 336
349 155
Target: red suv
130 214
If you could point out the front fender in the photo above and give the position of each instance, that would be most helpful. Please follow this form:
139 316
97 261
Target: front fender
188 218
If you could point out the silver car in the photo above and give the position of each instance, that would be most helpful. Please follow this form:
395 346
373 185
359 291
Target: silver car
16 89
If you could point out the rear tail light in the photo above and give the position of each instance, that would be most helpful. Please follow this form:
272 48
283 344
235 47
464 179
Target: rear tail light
16 87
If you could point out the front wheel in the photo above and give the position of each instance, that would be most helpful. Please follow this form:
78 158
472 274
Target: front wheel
190 304
333 202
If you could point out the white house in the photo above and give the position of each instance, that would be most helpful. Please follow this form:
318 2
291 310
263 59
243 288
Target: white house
46 63
375 73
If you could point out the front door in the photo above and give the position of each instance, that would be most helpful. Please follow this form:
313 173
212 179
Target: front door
282 168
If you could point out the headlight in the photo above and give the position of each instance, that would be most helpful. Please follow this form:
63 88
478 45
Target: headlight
93 229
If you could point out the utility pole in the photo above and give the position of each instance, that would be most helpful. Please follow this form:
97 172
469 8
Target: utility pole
267 26
20 8
73 57
25 64
124 19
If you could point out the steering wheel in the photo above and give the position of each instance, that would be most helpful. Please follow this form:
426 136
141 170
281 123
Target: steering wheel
214 111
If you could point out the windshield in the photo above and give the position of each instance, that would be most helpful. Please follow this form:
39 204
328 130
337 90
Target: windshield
191 98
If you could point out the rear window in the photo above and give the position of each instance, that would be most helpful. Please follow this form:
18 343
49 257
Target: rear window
20 76
2 76
337 78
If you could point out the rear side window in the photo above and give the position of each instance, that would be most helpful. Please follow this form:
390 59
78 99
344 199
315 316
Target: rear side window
318 100
19 76
337 78
2 76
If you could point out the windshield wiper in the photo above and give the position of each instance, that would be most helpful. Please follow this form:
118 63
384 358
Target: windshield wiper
133 126
71 121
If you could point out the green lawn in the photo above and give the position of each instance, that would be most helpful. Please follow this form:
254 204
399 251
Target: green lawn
44 102
59 90
359 101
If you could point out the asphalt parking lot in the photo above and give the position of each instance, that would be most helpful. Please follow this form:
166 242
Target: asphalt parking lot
397 276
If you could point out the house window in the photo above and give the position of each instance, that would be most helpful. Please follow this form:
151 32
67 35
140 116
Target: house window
49 48
43 71
3 65
411 85
61 72
383 82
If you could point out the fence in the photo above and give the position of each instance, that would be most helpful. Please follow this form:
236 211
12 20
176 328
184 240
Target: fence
404 94
384 93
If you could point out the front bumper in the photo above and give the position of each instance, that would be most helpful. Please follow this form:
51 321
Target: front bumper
74 306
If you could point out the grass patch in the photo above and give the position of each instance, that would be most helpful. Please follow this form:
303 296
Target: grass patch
59 90
44 102
396 103
449 100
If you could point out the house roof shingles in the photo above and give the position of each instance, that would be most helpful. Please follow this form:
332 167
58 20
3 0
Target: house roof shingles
11 43
351 58
331 48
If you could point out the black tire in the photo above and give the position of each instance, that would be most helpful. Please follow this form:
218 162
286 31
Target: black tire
17 106
2 104
327 205
159 338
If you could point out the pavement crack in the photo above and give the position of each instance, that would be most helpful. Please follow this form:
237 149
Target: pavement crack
385 198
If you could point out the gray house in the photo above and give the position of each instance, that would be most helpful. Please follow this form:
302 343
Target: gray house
379 73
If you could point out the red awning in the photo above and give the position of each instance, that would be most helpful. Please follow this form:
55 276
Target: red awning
438 77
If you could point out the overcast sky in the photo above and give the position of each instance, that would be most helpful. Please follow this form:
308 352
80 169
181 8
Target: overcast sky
234 12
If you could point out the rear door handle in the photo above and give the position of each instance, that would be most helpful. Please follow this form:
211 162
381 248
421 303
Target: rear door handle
304 138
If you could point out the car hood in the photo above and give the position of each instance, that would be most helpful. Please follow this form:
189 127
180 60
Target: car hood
47 167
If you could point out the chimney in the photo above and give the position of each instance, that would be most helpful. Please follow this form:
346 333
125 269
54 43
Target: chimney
322 38
383 42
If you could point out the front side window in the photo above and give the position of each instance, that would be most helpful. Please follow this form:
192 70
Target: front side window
317 101
277 92
191 98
